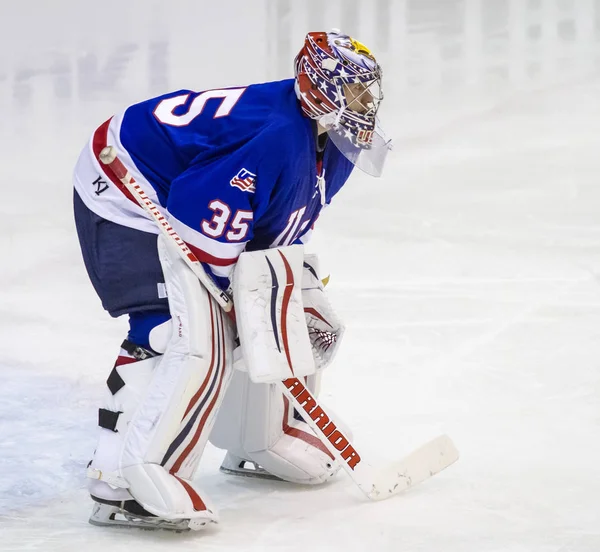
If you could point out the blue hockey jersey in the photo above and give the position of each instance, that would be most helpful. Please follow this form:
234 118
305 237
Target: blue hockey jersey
232 169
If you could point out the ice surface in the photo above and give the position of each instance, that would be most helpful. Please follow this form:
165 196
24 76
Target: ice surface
469 275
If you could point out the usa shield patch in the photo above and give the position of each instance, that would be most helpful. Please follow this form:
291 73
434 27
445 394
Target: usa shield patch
244 180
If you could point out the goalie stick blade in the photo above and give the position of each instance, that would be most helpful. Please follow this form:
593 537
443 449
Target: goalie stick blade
419 465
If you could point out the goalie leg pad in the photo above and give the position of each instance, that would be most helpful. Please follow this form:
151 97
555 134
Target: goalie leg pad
127 384
257 424
168 427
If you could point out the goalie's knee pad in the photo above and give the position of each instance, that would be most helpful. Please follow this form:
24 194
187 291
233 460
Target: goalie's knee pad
161 409
257 423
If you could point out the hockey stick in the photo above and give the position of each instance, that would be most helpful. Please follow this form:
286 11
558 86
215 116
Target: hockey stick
376 484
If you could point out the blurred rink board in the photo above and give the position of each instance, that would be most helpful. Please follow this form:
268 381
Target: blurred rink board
453 43
86 50
447 60
64 63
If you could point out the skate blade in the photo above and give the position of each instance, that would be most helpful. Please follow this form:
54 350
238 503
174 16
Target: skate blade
257 473
111 516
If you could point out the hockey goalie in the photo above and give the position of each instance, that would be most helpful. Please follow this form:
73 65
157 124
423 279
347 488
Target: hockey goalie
241 174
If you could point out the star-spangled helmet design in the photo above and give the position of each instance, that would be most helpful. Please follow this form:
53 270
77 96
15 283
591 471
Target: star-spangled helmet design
338 83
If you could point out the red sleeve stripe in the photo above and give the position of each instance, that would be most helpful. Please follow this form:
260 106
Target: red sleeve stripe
99 142
205 257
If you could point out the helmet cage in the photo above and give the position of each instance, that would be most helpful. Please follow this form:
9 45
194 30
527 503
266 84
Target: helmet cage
338 83
358 114
333 68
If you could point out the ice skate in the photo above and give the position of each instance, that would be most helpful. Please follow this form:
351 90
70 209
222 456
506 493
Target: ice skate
234 465
128 513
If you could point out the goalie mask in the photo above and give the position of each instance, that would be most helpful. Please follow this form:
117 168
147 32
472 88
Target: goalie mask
338 83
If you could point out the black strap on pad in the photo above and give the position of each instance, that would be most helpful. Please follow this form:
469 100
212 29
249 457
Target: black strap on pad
108 419
137 352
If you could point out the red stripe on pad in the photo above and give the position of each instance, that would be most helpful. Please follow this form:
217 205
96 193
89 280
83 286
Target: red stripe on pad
200 391
197 502
219 335
316 314
287 294
312 440
122 360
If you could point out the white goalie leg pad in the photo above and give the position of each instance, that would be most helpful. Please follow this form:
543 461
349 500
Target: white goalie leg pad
267 291
127 386
257 423
165 437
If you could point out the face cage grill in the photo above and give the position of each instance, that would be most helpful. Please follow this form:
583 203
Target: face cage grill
371 87
358 127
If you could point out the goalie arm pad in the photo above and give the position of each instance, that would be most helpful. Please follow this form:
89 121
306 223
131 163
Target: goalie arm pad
270 314
325 329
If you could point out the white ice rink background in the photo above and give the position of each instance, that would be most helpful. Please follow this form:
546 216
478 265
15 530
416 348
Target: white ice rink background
468 276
